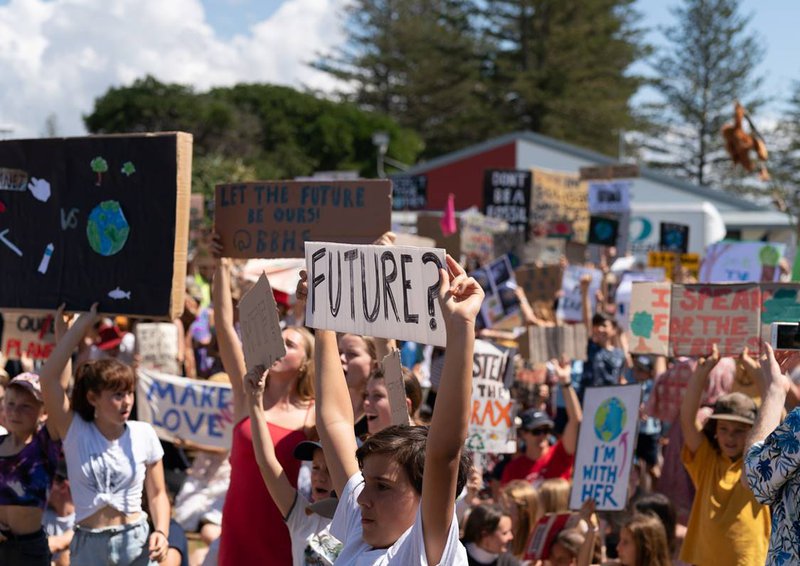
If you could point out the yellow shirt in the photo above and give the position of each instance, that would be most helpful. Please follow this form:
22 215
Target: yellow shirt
727 526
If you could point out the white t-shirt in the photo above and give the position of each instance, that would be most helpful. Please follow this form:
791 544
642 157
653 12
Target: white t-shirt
108 472
303 527
408 549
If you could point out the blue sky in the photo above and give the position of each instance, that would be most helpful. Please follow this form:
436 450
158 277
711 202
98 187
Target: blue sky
57 56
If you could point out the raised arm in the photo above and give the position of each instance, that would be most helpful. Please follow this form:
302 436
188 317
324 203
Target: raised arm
690 426
230 349
334 410
460 299
769 466
53 378
774 386
573 405
273 474
586 303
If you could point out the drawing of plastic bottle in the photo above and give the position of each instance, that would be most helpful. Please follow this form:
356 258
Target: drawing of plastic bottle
48 253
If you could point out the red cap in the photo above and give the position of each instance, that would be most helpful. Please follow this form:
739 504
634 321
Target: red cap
110 337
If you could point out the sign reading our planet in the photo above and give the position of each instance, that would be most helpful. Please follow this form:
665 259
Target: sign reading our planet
95 219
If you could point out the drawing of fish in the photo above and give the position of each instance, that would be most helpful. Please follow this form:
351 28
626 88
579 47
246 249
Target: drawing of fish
118 293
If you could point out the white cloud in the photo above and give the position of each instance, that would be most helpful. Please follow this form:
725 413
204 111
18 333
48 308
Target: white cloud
57 56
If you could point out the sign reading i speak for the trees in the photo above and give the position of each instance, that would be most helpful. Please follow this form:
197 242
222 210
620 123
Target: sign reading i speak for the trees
95 219
381 291
648 331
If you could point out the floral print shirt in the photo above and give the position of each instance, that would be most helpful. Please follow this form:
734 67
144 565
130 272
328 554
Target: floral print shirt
772 468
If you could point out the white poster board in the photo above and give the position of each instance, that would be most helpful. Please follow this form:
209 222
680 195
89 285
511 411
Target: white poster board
381 291
606 443
262 340
609 197
157 344
193 410
742 262
570 304
491 423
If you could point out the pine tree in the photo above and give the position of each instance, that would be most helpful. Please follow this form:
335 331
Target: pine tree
417 61
561 67
708 64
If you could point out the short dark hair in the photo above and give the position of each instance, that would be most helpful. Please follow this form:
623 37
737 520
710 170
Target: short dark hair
406 445
97 376
482 521
600 318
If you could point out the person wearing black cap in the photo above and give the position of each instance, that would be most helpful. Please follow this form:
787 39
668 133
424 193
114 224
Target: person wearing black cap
541 460
307 521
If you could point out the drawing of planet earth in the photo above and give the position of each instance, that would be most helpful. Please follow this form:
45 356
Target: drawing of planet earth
107 229
610 419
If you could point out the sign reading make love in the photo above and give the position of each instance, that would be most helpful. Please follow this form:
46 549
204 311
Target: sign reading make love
606 444
197 411
381 291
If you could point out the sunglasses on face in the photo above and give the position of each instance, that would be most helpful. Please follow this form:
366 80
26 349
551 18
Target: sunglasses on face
540 432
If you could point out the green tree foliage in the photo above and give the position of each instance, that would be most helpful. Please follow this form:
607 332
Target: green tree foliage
708 64
460 71
419 62
561 67
252 131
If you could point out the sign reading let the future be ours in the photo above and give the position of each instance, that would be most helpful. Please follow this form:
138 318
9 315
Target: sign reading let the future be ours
271 219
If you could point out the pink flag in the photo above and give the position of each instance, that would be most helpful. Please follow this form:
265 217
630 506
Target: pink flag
449 217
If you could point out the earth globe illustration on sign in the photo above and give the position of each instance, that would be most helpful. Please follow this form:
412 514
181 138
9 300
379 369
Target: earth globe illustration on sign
610 419
107 229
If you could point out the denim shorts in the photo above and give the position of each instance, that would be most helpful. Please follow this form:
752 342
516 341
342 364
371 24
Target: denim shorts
25 550
123 545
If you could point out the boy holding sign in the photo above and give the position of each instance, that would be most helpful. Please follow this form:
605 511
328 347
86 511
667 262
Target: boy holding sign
726 525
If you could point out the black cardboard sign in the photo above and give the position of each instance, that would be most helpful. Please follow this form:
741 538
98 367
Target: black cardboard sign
507 195
99 218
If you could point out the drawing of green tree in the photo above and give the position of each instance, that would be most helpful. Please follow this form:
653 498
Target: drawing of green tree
99 166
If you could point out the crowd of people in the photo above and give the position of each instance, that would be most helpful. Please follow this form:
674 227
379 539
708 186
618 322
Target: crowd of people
317 473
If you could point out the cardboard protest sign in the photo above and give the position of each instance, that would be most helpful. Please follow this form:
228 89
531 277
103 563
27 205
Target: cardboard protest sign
429 225
542 343
728 315
560 197
606 443
539 283
622 295
95 219
507 195
28 334
395 388
671 261
193 410
603 231
499 286
609 197
674 237
648 328
157 345
262 340
615 171
275 218
409 192
382 291
491 424
570 305
739 262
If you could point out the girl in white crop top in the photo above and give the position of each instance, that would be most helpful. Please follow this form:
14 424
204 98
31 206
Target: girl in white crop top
109 459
